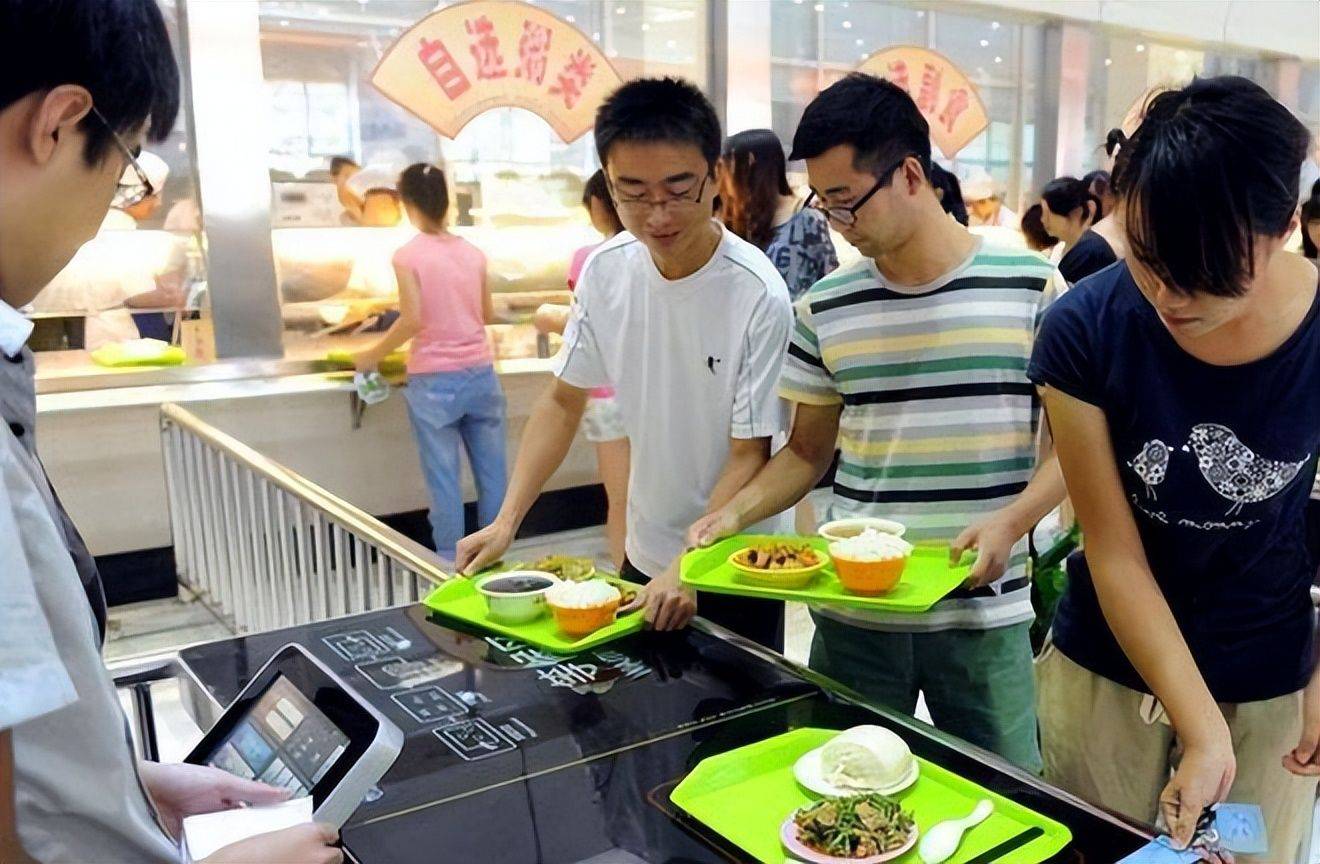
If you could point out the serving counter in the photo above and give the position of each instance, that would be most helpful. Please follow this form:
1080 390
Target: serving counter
512 755
99 433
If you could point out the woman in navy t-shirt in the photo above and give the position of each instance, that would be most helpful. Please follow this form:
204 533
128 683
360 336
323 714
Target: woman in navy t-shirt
1182 388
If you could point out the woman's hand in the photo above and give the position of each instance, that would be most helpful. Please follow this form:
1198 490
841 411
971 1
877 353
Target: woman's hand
181 790
1204 777
1304 760
366 361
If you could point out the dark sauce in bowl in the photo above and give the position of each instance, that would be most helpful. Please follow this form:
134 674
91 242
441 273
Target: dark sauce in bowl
517 584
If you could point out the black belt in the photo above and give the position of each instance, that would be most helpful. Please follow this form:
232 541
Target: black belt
989 590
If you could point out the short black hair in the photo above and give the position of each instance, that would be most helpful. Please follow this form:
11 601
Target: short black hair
118 49
339 163
877 117
1066 194
949 192
659 109
1212 166
423 186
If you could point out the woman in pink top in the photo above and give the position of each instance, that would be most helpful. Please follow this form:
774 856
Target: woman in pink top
602 422
453 395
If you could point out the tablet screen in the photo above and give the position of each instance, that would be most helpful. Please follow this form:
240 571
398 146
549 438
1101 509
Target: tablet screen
283 740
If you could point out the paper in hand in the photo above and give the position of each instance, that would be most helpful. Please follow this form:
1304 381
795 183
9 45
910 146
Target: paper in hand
206 833
1158 852
1241 829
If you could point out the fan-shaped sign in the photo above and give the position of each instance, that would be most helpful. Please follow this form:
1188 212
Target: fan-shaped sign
471 57
944 95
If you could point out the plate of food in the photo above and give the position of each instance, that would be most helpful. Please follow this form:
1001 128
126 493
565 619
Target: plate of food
779 563
863 759
860 829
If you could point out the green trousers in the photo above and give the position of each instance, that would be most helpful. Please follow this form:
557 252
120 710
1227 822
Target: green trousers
978 684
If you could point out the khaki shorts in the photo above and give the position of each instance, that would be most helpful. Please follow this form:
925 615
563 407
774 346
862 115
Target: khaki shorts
1098 746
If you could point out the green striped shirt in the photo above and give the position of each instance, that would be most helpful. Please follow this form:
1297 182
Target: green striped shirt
939 421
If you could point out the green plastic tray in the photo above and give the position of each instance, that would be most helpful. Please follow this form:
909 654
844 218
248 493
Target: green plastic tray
926 579
458 599
745 795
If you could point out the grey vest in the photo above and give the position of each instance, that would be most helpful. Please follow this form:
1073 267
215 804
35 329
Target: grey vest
18 409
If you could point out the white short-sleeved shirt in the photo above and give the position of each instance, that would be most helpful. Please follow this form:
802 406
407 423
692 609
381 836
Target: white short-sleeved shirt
77 791
694 362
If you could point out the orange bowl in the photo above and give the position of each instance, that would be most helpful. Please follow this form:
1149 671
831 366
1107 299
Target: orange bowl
579 622
869 578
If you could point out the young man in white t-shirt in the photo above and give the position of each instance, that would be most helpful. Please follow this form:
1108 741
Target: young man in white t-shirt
689 324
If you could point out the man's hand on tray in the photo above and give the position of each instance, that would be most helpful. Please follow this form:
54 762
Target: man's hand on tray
670 605
477 551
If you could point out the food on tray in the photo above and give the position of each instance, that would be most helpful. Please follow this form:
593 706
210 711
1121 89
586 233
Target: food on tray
778 556
566 567
860 826
866 758
582 608
517 596
871 562
841 529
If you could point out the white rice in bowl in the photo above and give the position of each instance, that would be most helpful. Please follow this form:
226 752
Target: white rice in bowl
870 545
582 595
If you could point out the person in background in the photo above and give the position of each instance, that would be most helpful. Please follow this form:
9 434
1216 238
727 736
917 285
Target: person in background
949 191
342 170
760 207
1183 390
1068 211
602 421
689 322
985 203
454 396
1033 228
1310 230
1110 227
115 273
81 85
1310 219
1101 186
904 360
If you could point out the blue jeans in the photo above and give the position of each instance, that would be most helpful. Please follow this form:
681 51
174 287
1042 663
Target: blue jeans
448 409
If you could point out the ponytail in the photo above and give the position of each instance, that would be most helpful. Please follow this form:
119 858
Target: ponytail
423 187
1066 194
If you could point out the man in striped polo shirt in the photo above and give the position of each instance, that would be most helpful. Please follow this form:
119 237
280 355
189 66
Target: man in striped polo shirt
914 360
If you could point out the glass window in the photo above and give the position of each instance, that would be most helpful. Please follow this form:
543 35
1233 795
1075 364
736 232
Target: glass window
515 187
146 263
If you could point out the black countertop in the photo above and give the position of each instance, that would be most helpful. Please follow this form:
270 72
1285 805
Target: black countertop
513 755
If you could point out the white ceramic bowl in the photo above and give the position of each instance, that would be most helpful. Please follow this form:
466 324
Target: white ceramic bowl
522 598
842 529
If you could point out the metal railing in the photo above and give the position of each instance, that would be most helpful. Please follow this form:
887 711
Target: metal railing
265 547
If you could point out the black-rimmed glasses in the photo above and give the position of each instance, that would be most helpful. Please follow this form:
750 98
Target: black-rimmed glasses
847 216
128 194
673 197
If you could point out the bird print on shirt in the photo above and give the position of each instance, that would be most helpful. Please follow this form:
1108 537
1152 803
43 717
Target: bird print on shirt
1151 465
1234 470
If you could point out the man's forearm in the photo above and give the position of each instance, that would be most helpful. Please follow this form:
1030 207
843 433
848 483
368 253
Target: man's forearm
783 482
550 430
1044 492
399 333
11 850
738 471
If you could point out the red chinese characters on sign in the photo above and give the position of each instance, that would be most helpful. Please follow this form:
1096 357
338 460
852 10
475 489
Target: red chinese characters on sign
485 48
574 76
928 97
443 68
959 101
533 52
898 74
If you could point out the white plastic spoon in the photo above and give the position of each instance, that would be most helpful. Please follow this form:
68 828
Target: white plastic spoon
942 840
